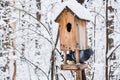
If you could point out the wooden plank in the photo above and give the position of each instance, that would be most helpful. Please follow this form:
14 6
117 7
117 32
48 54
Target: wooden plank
72 34
82 40
67 39
63 32
73 66
77 56
65 56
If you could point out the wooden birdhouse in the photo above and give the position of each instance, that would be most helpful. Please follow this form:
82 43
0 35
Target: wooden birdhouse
72 18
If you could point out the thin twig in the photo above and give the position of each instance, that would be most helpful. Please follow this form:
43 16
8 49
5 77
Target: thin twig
63 76
31 16
23 57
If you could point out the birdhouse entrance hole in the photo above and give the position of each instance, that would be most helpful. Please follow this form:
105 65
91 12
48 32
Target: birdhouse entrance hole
69 27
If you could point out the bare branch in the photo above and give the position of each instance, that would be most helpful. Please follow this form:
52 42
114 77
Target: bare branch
63 76
31 16
37 33
23 57
36 67
112 50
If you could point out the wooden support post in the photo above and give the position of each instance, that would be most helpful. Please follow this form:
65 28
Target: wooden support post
78 72
78 75
77 56
65 57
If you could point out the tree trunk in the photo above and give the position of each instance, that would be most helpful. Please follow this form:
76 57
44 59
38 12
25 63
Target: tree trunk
81 1
109 41
14 53
38 4
53 57
106 72
52 65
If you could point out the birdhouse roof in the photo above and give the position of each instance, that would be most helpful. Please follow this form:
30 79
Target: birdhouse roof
76 8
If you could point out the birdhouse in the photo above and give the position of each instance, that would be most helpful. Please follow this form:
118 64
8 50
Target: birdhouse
72 18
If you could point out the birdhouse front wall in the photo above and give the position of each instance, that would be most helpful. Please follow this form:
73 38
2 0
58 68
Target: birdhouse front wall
67 31
81 33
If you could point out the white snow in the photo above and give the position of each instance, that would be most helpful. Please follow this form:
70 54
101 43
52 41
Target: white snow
41 55
80 11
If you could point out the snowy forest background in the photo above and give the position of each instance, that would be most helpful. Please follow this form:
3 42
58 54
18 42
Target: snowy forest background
29 43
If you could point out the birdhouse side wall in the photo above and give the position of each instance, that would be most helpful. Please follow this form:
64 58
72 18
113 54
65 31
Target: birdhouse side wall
67 31
81 32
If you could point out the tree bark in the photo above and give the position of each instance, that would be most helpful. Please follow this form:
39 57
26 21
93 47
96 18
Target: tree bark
81 1
38 4
14 73
14 53
109 41
53 57
106 68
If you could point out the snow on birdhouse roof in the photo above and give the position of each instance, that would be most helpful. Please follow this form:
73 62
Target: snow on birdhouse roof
78 10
